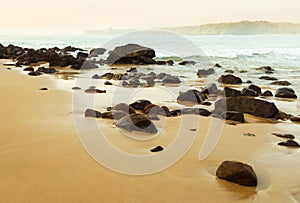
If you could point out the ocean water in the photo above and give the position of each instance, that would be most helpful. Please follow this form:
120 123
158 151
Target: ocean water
281 52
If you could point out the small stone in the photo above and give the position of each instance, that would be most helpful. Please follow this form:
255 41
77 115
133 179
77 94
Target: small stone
76 88
107 83
157 149
286 136
289 143
43 89
94 91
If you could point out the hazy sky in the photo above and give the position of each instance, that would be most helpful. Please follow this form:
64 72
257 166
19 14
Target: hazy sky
74 17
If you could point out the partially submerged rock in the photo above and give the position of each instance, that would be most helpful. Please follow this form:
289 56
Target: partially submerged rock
289 143
237 172
230 79
204 72
286 136
137 122
191 96
286 92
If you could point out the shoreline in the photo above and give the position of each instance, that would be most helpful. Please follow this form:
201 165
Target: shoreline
44 161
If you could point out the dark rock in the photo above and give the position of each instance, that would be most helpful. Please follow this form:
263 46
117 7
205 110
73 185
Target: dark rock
94 91
267 93
46 70
184 63
229 71
217 65
31 69
286 136
150 82
210 89
157 149
114 115
286 93
92 113
161 76
71 49
87 65
82 55
140 104
282 116
238 173
97 52
195 111
34 73
171 80
206 72
230 79
96 76
107 76
76 88
283 83
161 63
206 103
249 93
233 116
108 83
289 143
132 70
248 81
229 92
131 54
295 119
255 88
170 62
43 89
153 109
265 69
137 122
191 96
255 107
123 107
267 78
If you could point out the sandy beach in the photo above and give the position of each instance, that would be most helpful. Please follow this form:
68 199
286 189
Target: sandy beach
43 160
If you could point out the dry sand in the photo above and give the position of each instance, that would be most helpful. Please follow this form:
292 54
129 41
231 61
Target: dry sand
42 159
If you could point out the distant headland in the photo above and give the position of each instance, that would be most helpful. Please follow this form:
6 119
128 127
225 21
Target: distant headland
232 28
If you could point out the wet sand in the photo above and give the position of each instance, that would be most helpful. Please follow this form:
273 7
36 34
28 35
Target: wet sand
43 160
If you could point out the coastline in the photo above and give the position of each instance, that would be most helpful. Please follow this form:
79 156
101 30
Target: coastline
43 160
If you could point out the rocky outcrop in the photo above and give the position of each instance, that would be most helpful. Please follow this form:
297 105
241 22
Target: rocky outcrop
255 107
131 54
237 172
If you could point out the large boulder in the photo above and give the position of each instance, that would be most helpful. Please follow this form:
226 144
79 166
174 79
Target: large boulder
131 54
237 172
191 96
230 79
286 93
233 116
255 107
137 122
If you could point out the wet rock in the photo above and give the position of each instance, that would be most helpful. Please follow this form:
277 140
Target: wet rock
171 80
35 73
170 62
217 65
206 72
210 89
206 103
230 79
248 81
123 107
131 54
161 76
140 104
286 93
282 83
150 82
229 71
195 111
157 149
255 88
249 93
114 115
266 69
108 83
107 76
43 89
96 52
289 143
286 136
132 70
96 76
282 116
92 113
295 119
153 109
255 107
85 65
82 55
30 69
267 78
233 116
161 62
191 96
76 88
137 122
237 172
267 93
229 92
184 63
94 91
46 70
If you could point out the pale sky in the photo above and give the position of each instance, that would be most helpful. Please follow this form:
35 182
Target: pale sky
74 17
